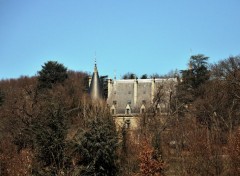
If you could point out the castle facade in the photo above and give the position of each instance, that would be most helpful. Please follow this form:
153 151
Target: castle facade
129 98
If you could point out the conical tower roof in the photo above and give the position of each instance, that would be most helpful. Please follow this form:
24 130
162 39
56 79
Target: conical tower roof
95 86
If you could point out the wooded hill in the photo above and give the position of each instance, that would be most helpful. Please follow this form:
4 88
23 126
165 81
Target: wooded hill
49 126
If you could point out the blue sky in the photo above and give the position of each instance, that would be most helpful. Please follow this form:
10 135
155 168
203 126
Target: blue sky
140 36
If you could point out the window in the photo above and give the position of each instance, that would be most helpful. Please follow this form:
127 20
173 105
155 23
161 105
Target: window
144 102
114 102
129 101
128 109
142 109
127 123
113 111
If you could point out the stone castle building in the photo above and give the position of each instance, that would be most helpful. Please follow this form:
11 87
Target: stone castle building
129 98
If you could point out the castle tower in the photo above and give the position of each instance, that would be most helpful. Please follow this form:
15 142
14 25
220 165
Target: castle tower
95 90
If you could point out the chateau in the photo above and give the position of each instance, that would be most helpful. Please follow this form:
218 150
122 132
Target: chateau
129 98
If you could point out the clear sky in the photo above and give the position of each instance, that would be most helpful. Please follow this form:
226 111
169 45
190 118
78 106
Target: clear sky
140 36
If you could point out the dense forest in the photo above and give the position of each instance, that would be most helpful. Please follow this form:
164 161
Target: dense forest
50 126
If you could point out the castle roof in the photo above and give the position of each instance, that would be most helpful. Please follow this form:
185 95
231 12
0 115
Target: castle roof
95 86
137 92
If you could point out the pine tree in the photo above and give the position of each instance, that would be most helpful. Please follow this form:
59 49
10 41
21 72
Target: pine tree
96 148
52 72
192 79
198 71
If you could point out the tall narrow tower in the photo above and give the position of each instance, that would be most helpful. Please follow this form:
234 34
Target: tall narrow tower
95 86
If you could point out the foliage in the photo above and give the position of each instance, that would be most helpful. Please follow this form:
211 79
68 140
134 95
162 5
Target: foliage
128 152
59 132
218 106
96 148
150 164
144 76
37 121
52 72
49 139
129 75
170 74
190 86
228 70
197 73
13 162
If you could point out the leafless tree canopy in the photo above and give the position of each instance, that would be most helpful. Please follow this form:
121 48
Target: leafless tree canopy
60 131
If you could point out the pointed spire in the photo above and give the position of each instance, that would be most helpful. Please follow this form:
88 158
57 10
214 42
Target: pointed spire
95 86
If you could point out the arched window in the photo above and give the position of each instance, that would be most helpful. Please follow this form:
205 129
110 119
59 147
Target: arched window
142 109
128 109
113 110
127 123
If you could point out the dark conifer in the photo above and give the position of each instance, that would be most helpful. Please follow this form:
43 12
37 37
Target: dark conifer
96 148
52 72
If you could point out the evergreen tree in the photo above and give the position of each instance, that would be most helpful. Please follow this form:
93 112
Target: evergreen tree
129 75
193 78
191 85
96 148
52 72
144 76
198 71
